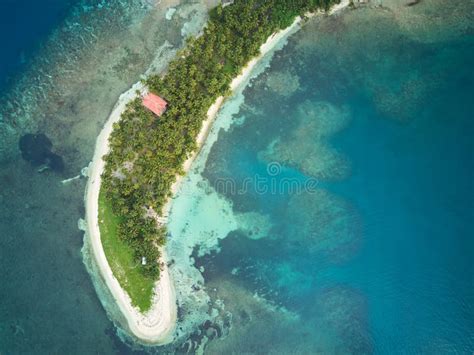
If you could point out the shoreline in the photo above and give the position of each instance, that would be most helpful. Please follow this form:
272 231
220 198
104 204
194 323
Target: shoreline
157 326
236 82
215 107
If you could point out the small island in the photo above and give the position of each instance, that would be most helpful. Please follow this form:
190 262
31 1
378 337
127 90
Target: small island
150 141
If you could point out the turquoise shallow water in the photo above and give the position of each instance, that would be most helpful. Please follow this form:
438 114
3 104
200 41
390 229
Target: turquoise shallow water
414 185
79 57
378 258
349 169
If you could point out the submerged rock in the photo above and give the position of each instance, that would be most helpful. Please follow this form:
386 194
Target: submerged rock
283 83
36 149
306 147
322 224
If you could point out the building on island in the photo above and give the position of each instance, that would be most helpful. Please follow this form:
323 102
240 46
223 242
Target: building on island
155 104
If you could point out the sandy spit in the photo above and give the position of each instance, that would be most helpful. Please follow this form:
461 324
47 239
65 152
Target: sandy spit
158 324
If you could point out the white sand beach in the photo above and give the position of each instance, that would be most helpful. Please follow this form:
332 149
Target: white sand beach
236 82
157 325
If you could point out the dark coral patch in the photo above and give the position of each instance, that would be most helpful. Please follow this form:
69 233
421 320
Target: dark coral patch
36 149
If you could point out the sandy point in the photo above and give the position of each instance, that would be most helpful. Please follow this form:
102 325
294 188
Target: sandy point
157 326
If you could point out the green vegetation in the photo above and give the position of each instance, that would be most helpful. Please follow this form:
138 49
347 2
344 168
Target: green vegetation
121 258
148 152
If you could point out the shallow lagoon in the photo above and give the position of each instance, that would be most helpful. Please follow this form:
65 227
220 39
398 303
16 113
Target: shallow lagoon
368 250
66 90
375 256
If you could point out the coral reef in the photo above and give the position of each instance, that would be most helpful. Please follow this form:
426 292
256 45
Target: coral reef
306 147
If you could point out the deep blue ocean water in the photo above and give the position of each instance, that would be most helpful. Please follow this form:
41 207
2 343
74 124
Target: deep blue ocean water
376 259
48 304
413 185
24 25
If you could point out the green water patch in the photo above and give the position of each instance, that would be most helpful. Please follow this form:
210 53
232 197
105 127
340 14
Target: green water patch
398 84
306 147
306 263
284 83
322 223
120 256
334 323
344 311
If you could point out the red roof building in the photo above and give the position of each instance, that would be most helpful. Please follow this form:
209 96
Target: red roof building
155 104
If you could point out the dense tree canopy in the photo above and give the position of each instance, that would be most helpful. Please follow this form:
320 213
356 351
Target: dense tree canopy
148 152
